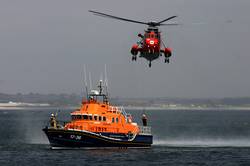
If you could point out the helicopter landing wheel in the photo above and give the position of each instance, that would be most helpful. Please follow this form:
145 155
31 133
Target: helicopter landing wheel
149 64
133 58
166 60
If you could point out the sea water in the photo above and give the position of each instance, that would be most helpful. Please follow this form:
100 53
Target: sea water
181 137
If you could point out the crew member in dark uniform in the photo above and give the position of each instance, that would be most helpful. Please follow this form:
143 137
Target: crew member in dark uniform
144 120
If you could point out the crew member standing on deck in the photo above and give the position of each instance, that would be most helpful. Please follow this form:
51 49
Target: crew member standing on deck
144 120
53 121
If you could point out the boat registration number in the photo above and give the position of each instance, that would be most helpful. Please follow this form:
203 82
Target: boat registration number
76 137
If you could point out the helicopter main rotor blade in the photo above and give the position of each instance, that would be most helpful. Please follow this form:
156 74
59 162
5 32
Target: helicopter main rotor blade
166 19
118 18
171 24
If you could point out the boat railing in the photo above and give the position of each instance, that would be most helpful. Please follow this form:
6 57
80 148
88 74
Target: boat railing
145 130
120 109
59 124
129 118
116 109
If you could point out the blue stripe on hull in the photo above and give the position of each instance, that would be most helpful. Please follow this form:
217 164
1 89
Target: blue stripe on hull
70 138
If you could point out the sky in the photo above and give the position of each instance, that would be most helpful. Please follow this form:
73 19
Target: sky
44 46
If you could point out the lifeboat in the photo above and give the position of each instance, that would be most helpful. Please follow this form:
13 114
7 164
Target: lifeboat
98 124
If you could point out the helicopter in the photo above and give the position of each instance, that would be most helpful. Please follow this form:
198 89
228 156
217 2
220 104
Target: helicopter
150 46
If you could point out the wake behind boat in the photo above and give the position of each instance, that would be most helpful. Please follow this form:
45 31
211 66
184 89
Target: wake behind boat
98 124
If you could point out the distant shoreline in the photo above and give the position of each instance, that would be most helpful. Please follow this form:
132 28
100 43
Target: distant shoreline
187 108
74 100
136 108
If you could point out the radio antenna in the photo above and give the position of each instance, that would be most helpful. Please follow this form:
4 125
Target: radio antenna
106 78
90 81
101 78
85 81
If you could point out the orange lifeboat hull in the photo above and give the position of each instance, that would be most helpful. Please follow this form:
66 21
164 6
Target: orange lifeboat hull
84 139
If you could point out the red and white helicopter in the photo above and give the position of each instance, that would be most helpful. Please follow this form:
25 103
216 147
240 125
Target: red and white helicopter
150 46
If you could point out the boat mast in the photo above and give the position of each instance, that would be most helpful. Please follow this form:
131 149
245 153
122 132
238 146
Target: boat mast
100 87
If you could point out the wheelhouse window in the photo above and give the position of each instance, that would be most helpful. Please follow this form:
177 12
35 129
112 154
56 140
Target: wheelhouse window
104 118
100 118
117 120
85 117
90 117
113 120
95 117
76 117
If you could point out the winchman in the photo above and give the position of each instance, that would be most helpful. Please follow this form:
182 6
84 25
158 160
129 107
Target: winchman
141 40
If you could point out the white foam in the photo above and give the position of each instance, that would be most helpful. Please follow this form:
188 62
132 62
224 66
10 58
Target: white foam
204 143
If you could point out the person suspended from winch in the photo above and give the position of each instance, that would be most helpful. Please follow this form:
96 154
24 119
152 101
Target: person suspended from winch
141 40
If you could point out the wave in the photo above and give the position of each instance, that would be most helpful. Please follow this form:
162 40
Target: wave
203 143
21 104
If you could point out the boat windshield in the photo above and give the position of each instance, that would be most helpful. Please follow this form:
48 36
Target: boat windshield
88 117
